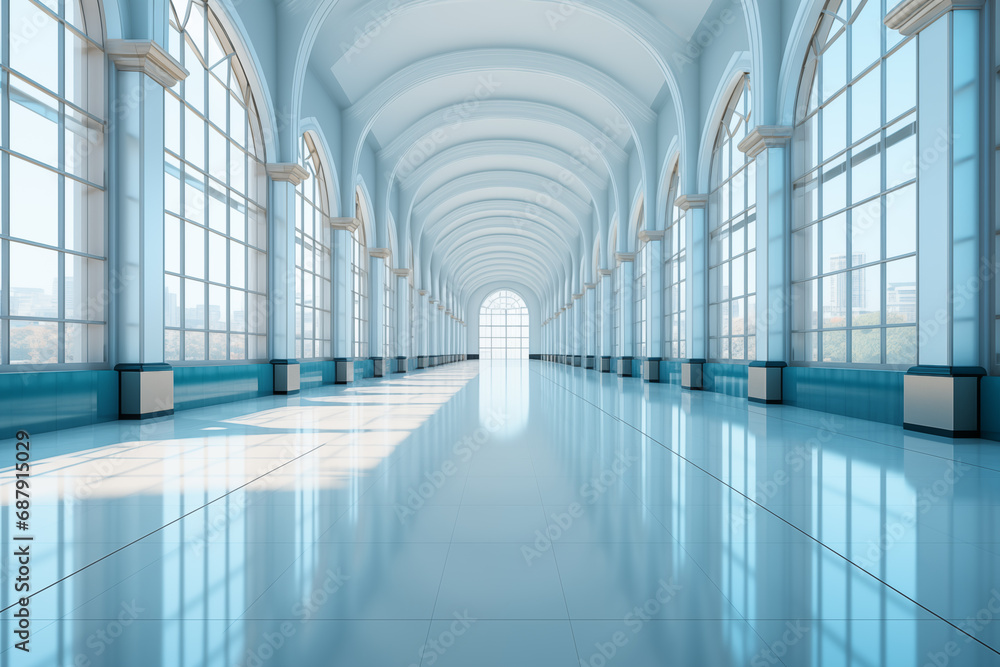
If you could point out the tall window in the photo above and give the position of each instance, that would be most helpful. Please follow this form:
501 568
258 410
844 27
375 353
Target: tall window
639 301
313 302
359 284
53 236
732 242
389 312
854 285
503 327
674 274
215 228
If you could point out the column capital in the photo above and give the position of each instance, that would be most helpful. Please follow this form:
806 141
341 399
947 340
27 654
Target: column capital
147 57
440 306
603 273
911 16
651 235
687 202
287 173
763 137
381 253
347 224
622 257
402 273
588 286
578 296
422 292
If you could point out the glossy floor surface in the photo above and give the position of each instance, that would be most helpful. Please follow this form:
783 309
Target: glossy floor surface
515 514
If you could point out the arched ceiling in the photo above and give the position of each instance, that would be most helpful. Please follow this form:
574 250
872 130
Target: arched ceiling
504 130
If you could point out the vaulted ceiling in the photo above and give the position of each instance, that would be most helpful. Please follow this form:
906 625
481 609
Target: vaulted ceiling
507 133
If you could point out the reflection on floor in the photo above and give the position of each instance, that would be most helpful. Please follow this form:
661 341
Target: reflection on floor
510 514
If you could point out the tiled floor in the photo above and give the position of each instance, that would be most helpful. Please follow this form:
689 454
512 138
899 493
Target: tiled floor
515 515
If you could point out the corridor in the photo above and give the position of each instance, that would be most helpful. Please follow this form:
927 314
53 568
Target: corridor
507 513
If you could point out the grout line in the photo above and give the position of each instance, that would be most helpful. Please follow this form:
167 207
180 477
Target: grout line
777 516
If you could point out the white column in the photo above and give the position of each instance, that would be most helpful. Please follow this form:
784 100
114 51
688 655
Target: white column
143 70
653 258
579 333
379 264
941 393
590 297
606 314
403 324
768 146
696 288
626 320
281 276
423 329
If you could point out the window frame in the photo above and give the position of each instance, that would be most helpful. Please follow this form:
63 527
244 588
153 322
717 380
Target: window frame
810 167
92 112
744 219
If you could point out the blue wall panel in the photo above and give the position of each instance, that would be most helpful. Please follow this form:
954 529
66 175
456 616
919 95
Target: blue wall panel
198 386
637 368
670 372
865 394
316 373
989 407
364 368
40 402
729 379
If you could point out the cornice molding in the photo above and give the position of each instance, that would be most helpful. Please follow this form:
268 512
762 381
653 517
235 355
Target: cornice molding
763 137
911 16
686 202
347 224
381 253
287 173
147 57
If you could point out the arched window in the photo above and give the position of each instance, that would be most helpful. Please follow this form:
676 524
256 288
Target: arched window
854 218
674 273
53 235
639 293
313 258
732 241
503 326
215 229
359 284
